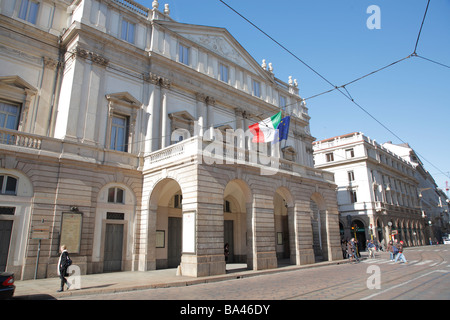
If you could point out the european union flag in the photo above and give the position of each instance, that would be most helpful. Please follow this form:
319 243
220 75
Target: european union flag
283 128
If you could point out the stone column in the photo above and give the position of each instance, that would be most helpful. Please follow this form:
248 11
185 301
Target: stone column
147 252
201 113
263 232
304 236
203 226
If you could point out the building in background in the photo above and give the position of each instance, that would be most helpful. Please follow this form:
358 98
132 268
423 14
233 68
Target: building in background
433 201
112 126
377 190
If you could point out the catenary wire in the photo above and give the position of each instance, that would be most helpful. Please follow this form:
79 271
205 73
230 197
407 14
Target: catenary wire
344 86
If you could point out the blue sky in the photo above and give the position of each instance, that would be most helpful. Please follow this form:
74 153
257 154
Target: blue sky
411 98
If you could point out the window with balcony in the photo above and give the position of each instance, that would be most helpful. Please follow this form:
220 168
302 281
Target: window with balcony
8 185
28 11
119 133
9 115
123 109
127 32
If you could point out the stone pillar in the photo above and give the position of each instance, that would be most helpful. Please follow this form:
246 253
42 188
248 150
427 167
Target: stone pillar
147 252
43 113
165 126
203 226
263 233
334 250
303 236
201 113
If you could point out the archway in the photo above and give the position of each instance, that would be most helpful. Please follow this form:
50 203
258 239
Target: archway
167 199
359 233
114 228
282 201
237 201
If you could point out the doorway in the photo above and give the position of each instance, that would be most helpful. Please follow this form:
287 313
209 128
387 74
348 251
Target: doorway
174 242
113 248
228 238
5 239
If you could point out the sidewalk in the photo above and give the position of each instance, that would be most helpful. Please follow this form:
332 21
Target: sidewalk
45 289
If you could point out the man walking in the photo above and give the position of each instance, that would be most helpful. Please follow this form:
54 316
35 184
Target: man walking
400 253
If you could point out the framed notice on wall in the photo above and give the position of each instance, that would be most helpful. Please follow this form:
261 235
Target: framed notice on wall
189 232
71 224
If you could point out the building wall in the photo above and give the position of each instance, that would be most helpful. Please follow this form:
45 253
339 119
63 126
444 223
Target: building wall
385 186
73 76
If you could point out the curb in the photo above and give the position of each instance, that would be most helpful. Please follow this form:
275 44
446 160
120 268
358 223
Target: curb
182 283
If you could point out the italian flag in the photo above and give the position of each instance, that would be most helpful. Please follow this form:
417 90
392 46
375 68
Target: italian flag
264 131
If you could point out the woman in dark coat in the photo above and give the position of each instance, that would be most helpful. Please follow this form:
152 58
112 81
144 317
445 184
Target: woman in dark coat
63 264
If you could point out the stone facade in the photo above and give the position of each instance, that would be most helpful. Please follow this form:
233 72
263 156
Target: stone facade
127 138
377 189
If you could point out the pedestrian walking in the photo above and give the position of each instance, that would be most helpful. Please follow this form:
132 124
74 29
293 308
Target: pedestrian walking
226 251
400 253
390 249
344 248
63 263
350 251
371 247
353 250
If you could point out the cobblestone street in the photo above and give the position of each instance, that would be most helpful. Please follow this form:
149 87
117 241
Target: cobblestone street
425 276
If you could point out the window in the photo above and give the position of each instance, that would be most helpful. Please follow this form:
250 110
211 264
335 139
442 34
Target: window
353 198
183 54
119 133
9 116
330 157
177 201
28 11
223 70
227 206
8 185
127 32
283 102
116 195
350 153
256 88
351 176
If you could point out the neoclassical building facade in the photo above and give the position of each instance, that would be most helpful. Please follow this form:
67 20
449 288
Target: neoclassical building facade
123 135
377 190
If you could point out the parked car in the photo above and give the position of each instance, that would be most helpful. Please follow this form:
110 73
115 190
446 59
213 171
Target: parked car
7 286
446 240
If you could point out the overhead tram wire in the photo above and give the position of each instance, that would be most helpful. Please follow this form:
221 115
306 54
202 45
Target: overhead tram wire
320 75
414 54
421 26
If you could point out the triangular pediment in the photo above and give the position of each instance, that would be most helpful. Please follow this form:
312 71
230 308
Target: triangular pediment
124 98
219 41
18 82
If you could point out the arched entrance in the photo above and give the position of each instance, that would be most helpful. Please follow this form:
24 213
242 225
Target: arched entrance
237 200
359 233
282 201
167 199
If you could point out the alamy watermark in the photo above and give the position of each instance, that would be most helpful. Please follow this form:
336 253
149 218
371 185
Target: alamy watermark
374 21
374 280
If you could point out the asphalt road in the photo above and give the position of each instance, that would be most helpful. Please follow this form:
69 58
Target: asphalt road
426 276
